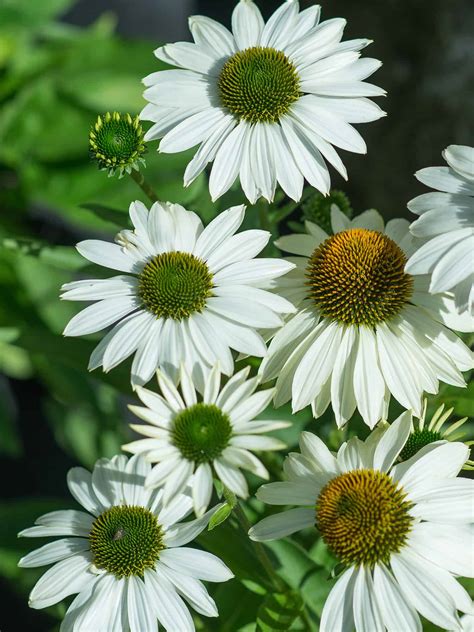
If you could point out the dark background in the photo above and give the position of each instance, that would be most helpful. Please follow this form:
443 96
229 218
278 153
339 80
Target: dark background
428 51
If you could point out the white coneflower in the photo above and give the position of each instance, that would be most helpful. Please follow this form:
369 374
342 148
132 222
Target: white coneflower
124 555
265 102
447 223
189 294
195 439
403 532
365 329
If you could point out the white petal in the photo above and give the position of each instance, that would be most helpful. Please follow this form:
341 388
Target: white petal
316 365
369 385
202 488
179 534
127 339
447 546
247 24
449 501
192 590
282 524
98 289
392 442
227 161
54 552
289 493
67 522
108 255
316 451
209 33
220 229
192 131
141 614
423 590
64 578
101 315
366 610
171 611
231 477
444 461
342 390
397 613
197 564
337 615
445 179
461 159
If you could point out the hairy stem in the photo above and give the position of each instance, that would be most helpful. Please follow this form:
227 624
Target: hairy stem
260 551
144 185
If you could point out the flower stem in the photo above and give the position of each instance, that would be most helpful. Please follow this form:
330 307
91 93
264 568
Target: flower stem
144 185
260 551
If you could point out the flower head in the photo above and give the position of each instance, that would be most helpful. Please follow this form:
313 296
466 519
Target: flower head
446 224
266 102
189 294
193 440
123 555
403 532
365 329
116 143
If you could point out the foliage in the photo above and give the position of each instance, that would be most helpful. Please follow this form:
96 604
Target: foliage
54 80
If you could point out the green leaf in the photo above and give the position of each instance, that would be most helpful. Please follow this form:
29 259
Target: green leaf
112 215
219 516
279 611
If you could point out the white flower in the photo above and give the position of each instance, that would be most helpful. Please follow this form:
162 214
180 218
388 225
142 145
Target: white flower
266 102
191 439
124 555
190 294
364 329
447 222
403 532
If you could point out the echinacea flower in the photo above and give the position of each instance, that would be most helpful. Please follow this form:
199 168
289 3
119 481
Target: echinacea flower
124 555
447 224
365 329
403 532
194 439
266 102
189 294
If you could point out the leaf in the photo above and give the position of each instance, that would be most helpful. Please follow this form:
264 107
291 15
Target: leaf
112 215
279 611
219 516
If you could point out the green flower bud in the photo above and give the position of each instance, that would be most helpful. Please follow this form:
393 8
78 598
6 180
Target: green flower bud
116 143
317 208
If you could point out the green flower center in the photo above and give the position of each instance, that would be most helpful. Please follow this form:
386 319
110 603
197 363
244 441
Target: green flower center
417 440
116 141
126 541
317 208
175 285
363 517
259 85
201 432
357 277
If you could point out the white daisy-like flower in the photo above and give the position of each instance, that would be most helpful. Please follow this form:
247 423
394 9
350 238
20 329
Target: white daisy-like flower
192 439
364 329
190 294
265 102
447 222
403 532
124 556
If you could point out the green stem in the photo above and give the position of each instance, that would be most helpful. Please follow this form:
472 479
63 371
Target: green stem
144 185
263 216
260 552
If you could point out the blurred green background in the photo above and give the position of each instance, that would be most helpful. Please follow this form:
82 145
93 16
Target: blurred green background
62 63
